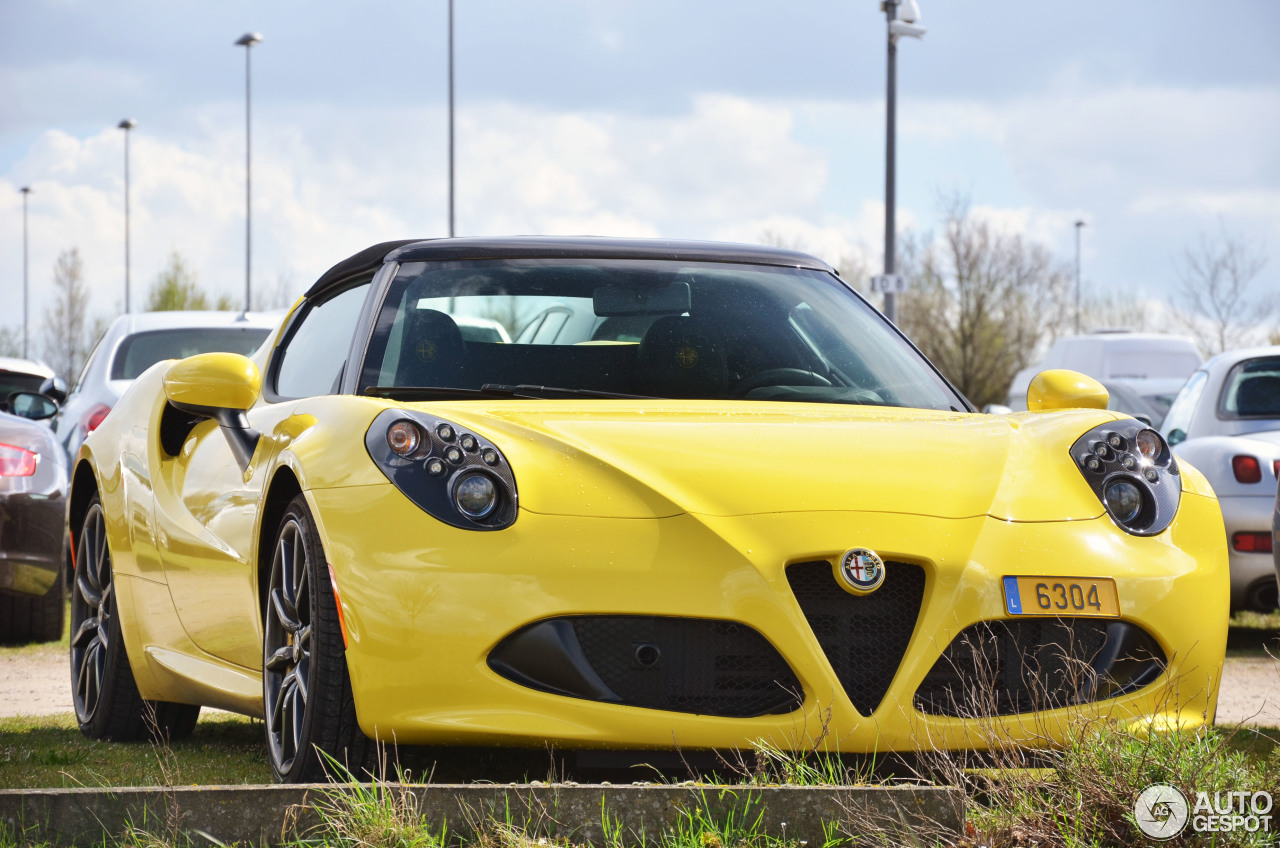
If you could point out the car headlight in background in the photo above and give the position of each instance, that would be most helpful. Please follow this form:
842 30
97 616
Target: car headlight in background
1131 470
455 476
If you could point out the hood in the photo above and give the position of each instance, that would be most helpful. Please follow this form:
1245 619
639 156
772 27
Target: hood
638 459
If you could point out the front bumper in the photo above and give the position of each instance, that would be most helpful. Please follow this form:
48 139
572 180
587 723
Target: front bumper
425 604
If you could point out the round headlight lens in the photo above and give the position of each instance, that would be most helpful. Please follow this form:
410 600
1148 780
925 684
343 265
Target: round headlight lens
1149 445
1124 500
475 495
403 437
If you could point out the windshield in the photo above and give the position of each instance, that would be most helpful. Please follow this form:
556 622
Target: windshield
642 328
140 351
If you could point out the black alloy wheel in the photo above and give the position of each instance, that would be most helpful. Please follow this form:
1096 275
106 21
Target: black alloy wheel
308 707
103 689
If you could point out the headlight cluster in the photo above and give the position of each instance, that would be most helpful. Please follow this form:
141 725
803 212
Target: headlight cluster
1129 467
458 477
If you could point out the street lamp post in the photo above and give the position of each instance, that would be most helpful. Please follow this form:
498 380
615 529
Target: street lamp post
26 190
247 41
1079 226
450 118
901 16
126 125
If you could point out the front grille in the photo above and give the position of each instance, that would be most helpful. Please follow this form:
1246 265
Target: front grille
688 665
864 637
1023 665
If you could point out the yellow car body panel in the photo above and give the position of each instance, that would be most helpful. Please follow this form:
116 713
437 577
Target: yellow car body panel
668 508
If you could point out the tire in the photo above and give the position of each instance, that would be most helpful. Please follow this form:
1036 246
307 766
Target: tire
308 709
105 694
33 618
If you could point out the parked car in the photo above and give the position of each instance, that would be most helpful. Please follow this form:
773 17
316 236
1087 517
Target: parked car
135 342
767 518
33 492
1152 365
1226 421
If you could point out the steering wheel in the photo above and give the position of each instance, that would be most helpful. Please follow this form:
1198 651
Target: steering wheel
779 377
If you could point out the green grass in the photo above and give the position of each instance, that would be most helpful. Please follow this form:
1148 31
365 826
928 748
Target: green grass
49 751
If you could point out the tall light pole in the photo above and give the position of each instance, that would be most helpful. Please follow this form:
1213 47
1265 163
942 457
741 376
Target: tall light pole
126 125
450 118
901 16
1079 226
247 41
26 190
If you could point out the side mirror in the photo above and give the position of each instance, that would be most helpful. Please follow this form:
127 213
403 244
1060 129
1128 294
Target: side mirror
1062 389
37 407
56 388
221 386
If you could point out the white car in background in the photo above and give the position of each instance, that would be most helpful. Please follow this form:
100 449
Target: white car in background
135 342
1152 365
1226 422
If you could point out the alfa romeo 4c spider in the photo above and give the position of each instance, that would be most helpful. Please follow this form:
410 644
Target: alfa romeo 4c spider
677 495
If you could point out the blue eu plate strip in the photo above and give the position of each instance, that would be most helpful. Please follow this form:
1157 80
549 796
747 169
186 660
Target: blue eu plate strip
1012 599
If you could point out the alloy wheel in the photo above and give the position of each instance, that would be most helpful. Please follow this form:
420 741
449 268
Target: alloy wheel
91 610
287 644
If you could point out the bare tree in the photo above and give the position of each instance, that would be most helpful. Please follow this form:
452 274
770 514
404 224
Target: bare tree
11 341
1215 294
279 295
177 288
981 303
66 331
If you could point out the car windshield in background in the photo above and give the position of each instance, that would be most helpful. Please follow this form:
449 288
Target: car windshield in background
13 381
642 328
140 351
1252 389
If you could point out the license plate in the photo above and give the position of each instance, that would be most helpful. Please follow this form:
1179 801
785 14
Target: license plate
1089 596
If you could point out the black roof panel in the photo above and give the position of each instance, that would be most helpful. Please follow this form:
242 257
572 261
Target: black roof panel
560 247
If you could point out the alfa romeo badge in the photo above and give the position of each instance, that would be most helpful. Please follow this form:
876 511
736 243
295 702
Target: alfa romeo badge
860 571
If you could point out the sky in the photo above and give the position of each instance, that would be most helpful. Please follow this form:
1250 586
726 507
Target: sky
1154 121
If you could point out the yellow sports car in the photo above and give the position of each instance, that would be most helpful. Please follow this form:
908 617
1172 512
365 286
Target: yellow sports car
691 496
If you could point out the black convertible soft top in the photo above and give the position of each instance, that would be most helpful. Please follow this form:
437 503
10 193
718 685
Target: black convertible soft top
558 247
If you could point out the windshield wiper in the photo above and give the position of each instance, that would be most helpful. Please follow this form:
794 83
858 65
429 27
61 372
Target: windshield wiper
490 391
526 390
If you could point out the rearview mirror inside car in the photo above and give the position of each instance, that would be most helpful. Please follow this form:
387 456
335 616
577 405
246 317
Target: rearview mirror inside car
610 301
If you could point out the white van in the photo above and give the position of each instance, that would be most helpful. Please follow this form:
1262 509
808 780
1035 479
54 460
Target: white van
1155 365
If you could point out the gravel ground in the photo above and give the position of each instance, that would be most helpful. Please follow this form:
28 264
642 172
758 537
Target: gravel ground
36 681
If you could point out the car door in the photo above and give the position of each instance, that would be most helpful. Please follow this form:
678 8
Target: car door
208 515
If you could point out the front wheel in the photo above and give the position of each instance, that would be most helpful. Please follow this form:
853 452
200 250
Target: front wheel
104 692
308 708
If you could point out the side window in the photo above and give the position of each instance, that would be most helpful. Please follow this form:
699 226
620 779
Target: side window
84 370
312 358
1178 419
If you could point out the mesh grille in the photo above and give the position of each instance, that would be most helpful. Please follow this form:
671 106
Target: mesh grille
689 665
1025 665
863 637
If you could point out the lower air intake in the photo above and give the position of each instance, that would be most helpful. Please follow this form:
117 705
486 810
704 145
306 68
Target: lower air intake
997 668
687 665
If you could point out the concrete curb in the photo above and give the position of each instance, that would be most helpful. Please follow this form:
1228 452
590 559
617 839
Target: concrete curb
263 815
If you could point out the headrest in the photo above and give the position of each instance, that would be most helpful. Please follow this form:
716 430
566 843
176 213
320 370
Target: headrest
431 351
683 357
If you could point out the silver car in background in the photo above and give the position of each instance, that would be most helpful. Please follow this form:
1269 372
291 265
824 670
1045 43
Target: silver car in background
133 343
1226 422
33 503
